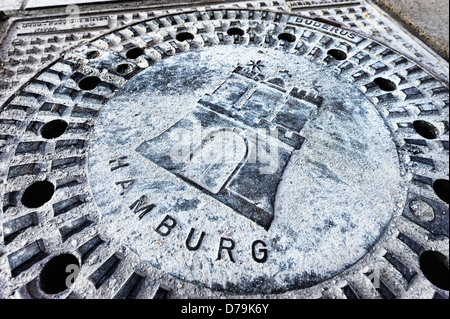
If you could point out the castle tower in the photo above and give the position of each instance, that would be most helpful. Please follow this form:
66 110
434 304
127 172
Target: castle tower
247 130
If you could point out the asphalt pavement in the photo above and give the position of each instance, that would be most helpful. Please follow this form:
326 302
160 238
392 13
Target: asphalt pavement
426 19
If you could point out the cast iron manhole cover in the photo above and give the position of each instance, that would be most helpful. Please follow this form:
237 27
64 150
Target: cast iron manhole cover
232 152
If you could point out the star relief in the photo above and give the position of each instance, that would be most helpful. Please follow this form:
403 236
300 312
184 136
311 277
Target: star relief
256 66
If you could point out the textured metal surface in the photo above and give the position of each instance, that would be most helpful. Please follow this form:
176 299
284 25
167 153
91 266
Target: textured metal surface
358 207
34 41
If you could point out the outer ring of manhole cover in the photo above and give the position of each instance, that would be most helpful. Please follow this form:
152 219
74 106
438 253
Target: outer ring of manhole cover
313 191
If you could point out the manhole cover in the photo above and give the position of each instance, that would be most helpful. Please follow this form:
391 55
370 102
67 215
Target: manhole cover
227 153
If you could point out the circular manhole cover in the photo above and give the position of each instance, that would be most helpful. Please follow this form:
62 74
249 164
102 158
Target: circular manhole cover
227 153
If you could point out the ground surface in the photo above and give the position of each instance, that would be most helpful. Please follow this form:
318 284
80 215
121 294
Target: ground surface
428 20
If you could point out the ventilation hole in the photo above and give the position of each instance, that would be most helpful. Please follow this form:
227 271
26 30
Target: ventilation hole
38 194
441 189
385 84
338 54
134 53
92 55
54 129
59 274
124 68
434 266
184 36
426 130
235 31
89 83
287 37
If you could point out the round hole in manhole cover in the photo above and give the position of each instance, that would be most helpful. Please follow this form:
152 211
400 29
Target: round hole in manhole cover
93 55
37 194
337 54
89 83
434 265
59 273
426 129
184 36
235 162
54 129
442 189
124 68
134 53
385 84
236 31
287 37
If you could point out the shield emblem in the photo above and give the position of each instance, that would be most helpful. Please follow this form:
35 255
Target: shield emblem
237 143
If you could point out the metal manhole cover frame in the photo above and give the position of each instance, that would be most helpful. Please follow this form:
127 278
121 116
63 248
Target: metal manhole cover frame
402 224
